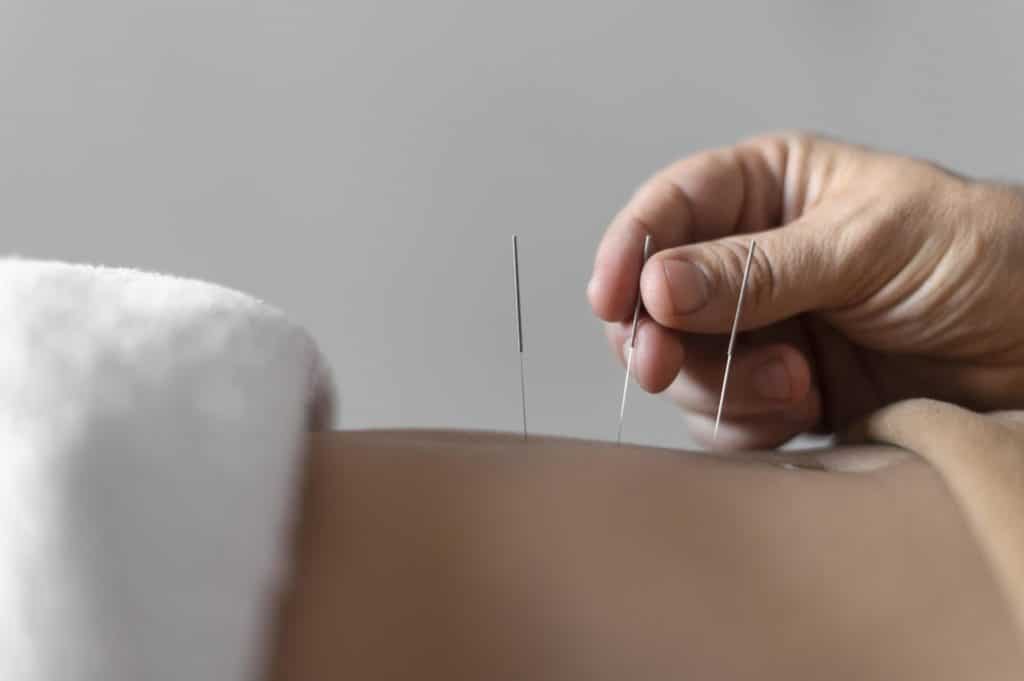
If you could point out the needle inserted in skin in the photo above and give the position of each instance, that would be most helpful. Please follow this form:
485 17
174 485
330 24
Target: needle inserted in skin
519 326
732 339
632 342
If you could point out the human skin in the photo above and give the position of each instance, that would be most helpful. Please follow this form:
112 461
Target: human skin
462 555
981 459
876 278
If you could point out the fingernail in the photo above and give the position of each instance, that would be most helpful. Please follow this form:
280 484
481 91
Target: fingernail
771 380
687 285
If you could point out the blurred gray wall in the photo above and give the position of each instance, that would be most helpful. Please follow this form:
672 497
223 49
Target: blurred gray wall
362 164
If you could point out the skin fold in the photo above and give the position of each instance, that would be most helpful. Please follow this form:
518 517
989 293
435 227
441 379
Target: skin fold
981 459
466 555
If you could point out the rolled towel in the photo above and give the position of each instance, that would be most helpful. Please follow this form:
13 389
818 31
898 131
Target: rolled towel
151 431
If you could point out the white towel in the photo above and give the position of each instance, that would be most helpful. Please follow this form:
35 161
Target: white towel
151 430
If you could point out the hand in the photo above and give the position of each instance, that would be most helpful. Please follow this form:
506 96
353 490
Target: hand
876 278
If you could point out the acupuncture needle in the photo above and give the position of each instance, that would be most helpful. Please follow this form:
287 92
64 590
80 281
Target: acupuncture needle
732 338
519 326
632 341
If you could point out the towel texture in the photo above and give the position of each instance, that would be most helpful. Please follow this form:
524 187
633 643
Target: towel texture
151 430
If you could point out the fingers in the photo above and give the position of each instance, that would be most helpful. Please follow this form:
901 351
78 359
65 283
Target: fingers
657 356
701 213
751 432
771 396
795 268
659 209
762 380
706 196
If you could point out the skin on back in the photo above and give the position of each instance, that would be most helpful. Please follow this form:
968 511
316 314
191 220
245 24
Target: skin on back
466 555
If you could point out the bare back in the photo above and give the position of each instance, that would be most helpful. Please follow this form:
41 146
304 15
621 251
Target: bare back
460 555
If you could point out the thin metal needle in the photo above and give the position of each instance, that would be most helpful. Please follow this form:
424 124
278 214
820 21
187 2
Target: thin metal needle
632 343
732 338
519 326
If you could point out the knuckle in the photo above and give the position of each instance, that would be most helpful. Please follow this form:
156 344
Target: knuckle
973 246
662 208
699 427
692 395
802 139
787 137
637 223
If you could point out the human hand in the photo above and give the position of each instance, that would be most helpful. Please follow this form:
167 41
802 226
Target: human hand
876 278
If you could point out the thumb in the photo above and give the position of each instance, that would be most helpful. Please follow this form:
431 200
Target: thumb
696 287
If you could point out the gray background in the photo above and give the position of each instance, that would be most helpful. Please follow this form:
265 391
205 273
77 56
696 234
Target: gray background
363 164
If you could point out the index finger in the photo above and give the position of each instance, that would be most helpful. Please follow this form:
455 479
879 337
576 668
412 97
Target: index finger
706 196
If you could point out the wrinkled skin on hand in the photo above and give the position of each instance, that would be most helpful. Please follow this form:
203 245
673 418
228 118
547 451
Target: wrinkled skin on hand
877 278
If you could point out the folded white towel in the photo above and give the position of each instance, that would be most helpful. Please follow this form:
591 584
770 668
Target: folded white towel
150 434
